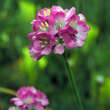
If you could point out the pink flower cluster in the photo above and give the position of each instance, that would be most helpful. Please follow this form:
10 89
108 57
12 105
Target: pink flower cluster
56 28
28 98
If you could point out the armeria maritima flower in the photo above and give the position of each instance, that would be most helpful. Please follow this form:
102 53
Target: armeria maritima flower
56 28
28 98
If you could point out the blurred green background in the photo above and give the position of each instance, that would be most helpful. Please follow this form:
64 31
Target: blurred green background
91 63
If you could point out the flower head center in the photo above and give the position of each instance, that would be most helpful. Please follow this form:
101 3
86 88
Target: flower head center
60 40
60 23
28 100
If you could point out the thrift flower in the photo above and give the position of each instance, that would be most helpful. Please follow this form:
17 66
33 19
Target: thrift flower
55 29
28 98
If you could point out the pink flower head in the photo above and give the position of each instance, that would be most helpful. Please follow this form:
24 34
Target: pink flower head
29 97
57 28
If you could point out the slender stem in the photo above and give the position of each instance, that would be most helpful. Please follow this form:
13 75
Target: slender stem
7 91
73 95
73 83
70 80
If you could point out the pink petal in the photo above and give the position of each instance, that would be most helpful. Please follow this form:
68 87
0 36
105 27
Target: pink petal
82 17
81 35
59 49
70 13
36 25
46 51
42 12
56 9
35 52
80 43
83 27
31 35
38 107
38 58
36 44
71 44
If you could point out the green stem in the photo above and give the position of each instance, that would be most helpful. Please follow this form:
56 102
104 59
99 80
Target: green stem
73 95
7 91
73 83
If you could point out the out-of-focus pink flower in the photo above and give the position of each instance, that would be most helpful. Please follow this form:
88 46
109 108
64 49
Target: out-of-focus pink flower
29 97
60 27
